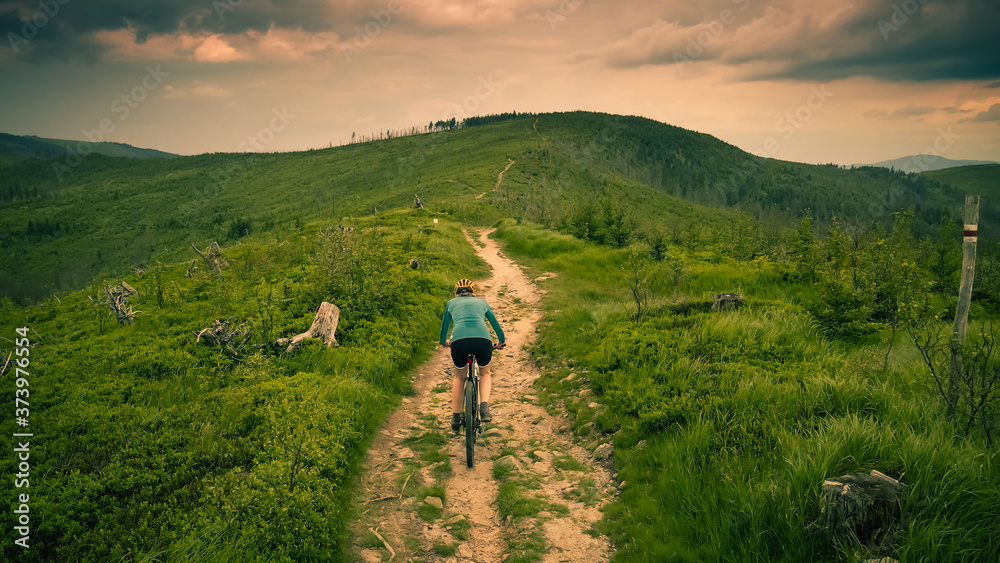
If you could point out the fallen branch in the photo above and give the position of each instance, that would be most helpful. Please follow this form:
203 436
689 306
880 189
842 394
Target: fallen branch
222 333
404 485
392 552
390 497
7 363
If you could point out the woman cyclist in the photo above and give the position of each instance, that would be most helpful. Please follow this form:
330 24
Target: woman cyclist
470 335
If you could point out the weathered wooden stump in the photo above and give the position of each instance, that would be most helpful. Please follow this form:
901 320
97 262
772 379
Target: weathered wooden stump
118 296
865 506
213 255
726 301
324 326
417 203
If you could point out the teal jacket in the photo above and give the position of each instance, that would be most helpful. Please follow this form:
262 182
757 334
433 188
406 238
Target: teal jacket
468 313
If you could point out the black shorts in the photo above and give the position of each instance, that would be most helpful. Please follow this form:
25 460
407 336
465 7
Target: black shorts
481 347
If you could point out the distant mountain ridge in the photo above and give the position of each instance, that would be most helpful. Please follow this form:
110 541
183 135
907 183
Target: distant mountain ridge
32 146
570 169
925 163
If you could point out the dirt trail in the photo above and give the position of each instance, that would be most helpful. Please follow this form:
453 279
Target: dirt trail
416 455
499 178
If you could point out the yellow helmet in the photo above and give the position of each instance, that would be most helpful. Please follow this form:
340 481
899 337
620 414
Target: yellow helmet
465 286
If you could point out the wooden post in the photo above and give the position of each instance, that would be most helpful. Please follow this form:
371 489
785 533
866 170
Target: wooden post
964 298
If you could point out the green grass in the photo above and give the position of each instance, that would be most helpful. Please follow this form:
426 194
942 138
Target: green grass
527 548
429 513
445 549
167 449
460 529
742 415
568 463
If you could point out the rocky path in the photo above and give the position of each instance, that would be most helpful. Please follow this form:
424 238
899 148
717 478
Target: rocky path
532 493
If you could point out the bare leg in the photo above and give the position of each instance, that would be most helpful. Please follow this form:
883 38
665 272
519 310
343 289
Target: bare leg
484 384
458 390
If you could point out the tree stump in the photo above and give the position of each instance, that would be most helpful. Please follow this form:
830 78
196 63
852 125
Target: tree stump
417 203
213 255
118 296
865 506
725 301
324 326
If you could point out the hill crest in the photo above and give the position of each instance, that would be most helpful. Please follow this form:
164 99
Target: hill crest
33 146
925 163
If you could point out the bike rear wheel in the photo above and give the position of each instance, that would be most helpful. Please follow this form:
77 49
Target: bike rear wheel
470 422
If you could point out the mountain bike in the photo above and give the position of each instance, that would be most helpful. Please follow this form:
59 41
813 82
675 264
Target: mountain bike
472 418
473 424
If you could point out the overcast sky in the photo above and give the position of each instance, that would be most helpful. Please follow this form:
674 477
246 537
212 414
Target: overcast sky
844 82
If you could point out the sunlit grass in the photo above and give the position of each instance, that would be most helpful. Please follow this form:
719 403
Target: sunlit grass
742 415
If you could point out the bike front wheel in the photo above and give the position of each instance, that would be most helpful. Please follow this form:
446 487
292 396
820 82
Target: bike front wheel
470 422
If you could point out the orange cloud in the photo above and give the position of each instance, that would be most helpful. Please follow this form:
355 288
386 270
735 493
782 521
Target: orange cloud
214 49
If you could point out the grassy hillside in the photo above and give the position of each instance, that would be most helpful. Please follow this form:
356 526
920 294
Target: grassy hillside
61 227
149 446
982 180
725 424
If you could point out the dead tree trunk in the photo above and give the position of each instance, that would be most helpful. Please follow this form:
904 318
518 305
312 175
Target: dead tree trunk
866 506
725 301
118 296
323 326
964 297
213 255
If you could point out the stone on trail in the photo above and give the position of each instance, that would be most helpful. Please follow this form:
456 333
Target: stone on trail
604 451
435 502
508 460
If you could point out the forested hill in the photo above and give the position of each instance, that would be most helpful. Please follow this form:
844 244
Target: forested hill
32 146
66 218
148 442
